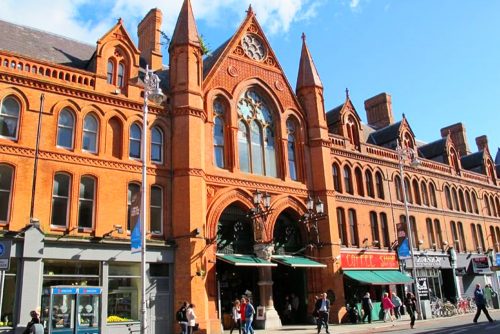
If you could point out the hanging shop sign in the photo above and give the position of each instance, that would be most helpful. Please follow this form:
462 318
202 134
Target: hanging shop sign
5 246
480 265
364 260
423 287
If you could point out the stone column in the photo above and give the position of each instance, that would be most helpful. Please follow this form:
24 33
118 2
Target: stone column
272 319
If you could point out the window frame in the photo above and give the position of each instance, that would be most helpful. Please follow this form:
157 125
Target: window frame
59 126
96 133
129 202
151 207
341 225
68 201
9 191
93 201
130 140
353 228
18 117
160 144
374 227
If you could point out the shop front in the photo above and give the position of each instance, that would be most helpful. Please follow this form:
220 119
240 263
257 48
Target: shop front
373 272
477 270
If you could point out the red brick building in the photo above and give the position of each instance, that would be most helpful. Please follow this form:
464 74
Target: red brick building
232 125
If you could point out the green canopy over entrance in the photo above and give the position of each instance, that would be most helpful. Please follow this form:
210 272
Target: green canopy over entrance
245 260
296 261
378 277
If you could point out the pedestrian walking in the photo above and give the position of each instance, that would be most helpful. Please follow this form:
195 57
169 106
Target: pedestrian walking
182 318
480 303
397 305
34 326
367 306
488 295
191 317
249 314
411 307
243 306
323 309
236 317
388 307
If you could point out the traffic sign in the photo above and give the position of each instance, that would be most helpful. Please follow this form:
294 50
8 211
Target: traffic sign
5 246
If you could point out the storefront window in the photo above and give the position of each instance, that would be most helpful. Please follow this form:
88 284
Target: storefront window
8 294
123 296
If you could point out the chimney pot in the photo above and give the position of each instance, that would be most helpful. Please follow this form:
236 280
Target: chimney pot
149 35
458 137
482 143
379 111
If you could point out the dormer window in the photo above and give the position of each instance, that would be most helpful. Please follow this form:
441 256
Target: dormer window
111 71
116 69
121 75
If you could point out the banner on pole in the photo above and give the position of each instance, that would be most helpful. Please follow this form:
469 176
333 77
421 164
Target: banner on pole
135 223
403 246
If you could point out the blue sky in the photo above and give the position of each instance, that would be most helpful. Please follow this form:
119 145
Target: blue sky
440 60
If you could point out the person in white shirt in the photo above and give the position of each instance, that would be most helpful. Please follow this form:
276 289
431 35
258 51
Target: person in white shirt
191 319
236 315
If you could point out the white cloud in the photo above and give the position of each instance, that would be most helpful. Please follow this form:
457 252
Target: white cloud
354 3
65 17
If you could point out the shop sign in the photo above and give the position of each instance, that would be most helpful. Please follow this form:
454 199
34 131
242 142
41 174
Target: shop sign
480 265
5 246
498 260
430 261
423 287
369 261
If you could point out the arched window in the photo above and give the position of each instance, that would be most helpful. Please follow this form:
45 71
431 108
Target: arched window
462 200
468 201
114 141
399 189
121 75
353 228
243 147
461 235
430 233
454 235
493 237
336 178
347 180
342 226
90 131
369 184
374 228
497 202
110 71
156 144
414 227
61 200
497 229
86 207
359 182
454 161
447 194
416 192
439 233
135 141
6 179
475 241
487 204
425 196
9 118
480 236
292 154
379 185
454 196
352 131
493 206
156 210
407 140
432 193
384 226
408 192
65 129
474 202
254 112
133 191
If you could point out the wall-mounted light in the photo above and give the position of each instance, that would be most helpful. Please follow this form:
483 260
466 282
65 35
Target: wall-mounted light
118 228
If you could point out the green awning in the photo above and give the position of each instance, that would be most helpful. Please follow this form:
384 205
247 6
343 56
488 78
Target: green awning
378 277
245 260
296 261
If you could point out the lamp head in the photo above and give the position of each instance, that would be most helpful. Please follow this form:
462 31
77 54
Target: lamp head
156 96
310 203
257 197
319 207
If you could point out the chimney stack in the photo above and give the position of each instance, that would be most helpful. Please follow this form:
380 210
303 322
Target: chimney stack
379 111
458 137
482 143
149 35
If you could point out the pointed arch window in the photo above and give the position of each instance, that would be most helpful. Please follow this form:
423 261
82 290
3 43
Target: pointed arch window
468 201
156 210
439 233
432 193
6 181
292 153
416 192
384 226
86 205
474 202
134 189
9 118
342 226
156 145
359 182
60 200
374 228
90 131
414 227
454 235
447 194
454 161
493 206
336 178
475 240
353 228
425 195
408 193
407 141
369 184
379 185
260 157
348 180
454 196
430 233
399 188
493 237
65 129
487 205
121 76
110 71
135 141
352 131
461 235
462 200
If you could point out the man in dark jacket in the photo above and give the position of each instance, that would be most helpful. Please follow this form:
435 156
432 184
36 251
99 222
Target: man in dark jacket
182 318
481 303
322 308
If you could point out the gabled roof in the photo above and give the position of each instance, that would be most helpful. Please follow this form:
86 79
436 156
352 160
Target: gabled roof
333 116
46 46
497 157
210 60
308 75
185 31
435 149
473 160
385 135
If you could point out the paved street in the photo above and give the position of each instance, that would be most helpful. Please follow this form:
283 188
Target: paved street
454 325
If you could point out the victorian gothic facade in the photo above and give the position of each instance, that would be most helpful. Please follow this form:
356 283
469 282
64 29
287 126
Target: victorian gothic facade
232 129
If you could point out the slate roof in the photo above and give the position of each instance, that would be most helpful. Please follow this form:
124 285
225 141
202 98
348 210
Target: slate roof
210 60
333 116
385 135
434 149
473 160
45 46
497 157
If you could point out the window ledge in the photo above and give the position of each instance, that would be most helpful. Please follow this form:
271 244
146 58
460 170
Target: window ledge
121 323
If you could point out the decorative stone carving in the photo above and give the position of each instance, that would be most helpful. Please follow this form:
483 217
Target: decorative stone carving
253 47
264 251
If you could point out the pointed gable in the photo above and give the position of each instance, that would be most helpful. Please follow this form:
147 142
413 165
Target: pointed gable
118 35
185 31
337 117
308 75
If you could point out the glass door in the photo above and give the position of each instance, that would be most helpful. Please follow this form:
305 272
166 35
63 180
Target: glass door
62 313
88 309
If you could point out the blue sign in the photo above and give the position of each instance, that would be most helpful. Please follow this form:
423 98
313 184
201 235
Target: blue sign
498 260
64 291
404 250
90 291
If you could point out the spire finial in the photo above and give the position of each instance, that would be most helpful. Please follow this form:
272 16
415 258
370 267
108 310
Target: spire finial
249 10
347 93
404 115
303 37
120 20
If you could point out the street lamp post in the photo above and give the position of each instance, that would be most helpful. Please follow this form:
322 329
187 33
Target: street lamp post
408 154
453 262
315 212
153 93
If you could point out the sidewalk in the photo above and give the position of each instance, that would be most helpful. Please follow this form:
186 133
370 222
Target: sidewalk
353 328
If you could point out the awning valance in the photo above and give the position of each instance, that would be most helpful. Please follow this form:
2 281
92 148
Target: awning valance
378 277
245 260
296 261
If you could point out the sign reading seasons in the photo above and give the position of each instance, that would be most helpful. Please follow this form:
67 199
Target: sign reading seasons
363 260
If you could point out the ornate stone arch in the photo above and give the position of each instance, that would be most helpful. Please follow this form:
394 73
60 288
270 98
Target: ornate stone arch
279 205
